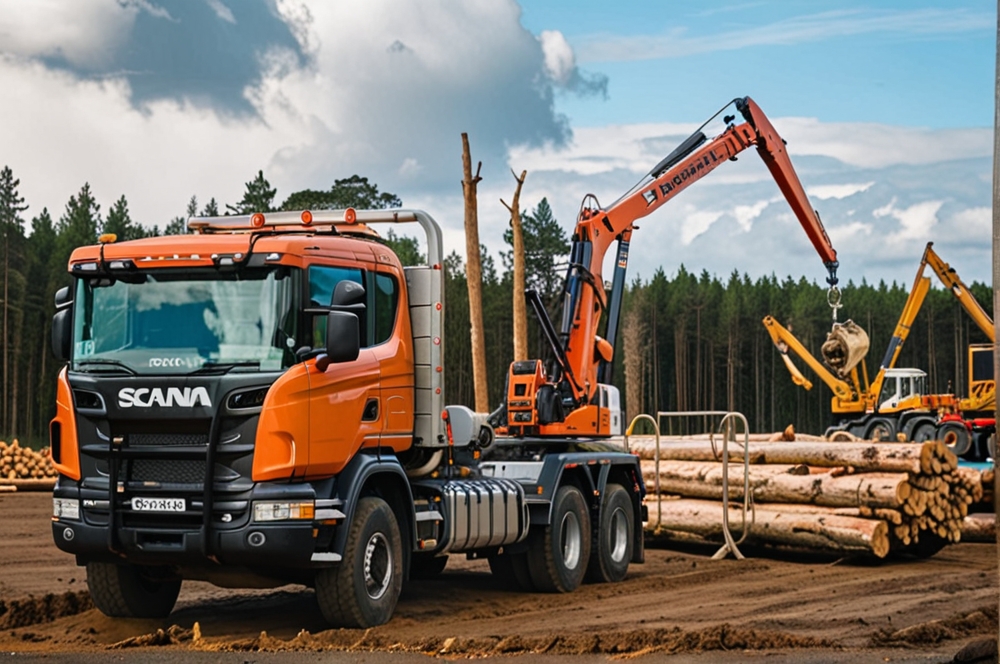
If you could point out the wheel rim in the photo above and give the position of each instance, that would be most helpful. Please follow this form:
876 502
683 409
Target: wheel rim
957 439
571 540
619 535
378 566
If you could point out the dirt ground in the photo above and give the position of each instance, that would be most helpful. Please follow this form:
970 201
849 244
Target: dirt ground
679 601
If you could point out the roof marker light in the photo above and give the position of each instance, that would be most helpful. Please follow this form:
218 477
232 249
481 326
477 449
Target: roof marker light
107 238
307 217
257 220
350 215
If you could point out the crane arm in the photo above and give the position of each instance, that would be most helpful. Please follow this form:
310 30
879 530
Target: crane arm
584 297
949 277
784 341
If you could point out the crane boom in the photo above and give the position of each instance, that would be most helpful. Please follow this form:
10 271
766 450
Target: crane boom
580 380
949 277
696 157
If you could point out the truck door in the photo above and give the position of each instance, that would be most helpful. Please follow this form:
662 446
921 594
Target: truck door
393 347
344 404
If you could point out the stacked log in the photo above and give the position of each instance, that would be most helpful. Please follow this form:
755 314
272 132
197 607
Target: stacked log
24 468
916 490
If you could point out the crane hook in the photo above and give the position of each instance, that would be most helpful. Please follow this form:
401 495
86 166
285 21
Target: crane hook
833 299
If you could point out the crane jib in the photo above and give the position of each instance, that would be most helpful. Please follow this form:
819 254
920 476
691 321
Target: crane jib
690 172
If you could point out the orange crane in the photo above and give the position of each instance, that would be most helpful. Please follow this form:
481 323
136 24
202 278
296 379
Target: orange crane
574 397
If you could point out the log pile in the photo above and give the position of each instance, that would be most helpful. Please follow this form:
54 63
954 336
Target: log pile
916 491
25 469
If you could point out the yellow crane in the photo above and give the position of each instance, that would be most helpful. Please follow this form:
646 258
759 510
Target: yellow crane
895 402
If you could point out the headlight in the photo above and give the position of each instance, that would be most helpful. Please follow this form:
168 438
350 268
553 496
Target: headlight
66 508
282 511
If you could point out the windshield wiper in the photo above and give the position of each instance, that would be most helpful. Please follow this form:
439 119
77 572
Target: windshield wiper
225 367
104 362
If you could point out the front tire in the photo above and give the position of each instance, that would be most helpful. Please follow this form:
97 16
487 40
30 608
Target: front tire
363 589
557 557
614 538
131 591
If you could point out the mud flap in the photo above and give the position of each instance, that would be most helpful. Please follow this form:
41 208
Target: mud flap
845 346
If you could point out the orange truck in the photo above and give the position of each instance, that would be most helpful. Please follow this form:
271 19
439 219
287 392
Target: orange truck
260 402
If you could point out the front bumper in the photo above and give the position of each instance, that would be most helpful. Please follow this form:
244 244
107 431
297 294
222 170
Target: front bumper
183 540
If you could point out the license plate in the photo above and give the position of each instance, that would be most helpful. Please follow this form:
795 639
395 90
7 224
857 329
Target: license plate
158 504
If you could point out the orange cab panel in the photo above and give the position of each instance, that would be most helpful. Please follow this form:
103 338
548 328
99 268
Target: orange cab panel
63 446
282 448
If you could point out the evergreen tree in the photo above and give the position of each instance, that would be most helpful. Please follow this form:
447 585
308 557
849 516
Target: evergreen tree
405 247
12 229
211 209
258 197
545 246
356 192
119 222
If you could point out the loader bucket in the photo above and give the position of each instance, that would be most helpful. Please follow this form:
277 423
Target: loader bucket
845 347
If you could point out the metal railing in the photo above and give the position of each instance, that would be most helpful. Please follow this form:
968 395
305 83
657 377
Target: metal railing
728 431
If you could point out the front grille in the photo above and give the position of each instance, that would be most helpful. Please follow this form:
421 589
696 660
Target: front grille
167 439
177 471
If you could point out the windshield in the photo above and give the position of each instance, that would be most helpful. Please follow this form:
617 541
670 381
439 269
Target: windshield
166 322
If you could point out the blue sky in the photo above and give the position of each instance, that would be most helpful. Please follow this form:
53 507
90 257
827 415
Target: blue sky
887 109
924 64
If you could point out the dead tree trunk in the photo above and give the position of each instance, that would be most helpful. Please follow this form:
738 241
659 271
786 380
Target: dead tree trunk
474 277
520 310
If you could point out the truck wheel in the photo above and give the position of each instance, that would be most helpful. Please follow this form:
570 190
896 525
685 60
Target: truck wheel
991 445
363 589
511 569
881 429
427 566
612 547
923 432
131 591
956 437
557 557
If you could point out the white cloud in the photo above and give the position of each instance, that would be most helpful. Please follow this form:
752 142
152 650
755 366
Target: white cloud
559 58
86 33
837 190
745 214
796 30
222 11
697 222
916 221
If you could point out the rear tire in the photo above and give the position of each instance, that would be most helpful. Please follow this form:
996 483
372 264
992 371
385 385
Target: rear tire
511 570
962 442
131 591
923 432
558 556
363 589
613 541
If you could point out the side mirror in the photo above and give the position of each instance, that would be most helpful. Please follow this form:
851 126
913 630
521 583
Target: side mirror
62 334
64 297
343 340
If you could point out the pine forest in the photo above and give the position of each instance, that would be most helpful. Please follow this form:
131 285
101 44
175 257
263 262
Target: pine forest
689 341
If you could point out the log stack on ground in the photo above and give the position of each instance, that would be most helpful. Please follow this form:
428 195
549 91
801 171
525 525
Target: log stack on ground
916 491
23 468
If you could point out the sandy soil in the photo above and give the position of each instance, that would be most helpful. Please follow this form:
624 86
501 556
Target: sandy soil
679 601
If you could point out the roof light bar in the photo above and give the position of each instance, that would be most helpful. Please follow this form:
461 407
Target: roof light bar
310 219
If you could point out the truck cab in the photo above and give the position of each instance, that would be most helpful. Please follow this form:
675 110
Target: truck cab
902 389
261 402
